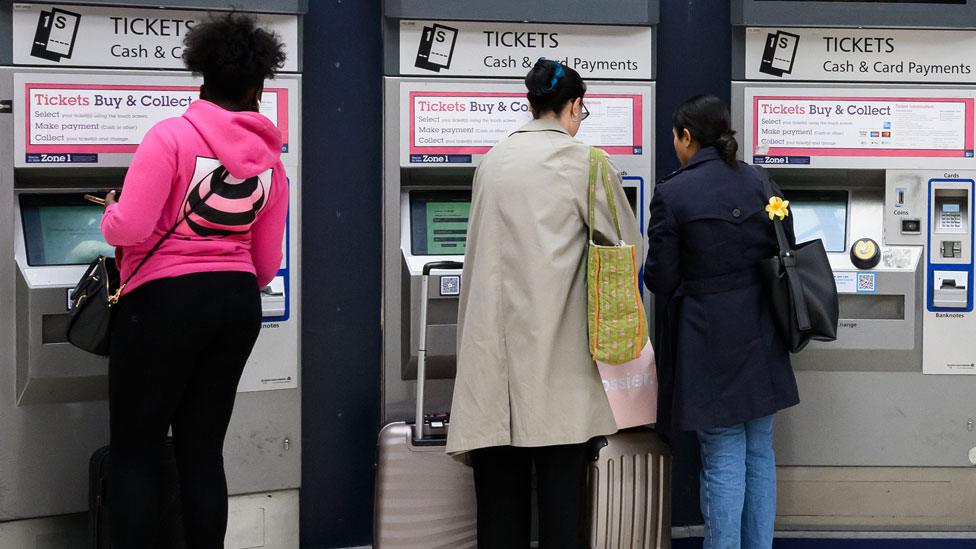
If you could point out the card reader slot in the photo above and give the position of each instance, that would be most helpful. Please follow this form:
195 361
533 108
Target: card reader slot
872 307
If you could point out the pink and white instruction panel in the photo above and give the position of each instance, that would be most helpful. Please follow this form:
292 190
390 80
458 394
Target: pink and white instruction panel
860 127
455 123
75 119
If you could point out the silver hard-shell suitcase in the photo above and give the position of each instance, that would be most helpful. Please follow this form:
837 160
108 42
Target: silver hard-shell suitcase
630 492
424 498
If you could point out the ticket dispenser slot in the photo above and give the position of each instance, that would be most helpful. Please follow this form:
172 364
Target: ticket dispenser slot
950 256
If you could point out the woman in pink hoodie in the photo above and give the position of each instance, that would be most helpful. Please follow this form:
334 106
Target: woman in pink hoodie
188 319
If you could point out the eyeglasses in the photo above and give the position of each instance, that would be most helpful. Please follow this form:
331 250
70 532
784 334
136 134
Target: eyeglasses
585 113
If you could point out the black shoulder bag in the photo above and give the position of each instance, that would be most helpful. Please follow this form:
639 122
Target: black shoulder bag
800 285
90 319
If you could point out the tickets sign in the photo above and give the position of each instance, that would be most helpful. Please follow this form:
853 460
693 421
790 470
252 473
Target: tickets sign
93 36
481 48
808 126
860 55
88 118
465 123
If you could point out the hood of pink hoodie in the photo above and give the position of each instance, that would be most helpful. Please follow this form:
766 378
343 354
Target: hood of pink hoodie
246 143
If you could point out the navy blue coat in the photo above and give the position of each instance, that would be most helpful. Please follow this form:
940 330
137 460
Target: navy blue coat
720 359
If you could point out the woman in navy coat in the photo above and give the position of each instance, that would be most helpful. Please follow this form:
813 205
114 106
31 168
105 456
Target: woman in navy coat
723 369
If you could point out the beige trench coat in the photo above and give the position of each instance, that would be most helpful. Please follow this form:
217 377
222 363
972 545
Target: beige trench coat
525 376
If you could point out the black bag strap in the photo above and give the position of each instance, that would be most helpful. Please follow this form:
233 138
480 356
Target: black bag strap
788 259
186 215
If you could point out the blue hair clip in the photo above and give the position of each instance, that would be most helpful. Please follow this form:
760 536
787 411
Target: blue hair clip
557 76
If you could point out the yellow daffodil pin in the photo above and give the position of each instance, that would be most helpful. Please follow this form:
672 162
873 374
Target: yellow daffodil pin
778 208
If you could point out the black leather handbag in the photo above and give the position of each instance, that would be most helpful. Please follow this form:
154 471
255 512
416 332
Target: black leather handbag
800 285
90 319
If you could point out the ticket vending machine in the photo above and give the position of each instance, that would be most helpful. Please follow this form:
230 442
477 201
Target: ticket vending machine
454 88
72 111
869 131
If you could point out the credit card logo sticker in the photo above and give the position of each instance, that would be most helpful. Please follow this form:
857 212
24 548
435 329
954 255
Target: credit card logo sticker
436 48
779 54
55 36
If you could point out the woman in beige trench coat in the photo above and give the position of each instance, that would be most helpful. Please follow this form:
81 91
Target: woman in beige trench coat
527 392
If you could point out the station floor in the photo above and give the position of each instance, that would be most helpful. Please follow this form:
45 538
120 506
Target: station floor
789 543
793 543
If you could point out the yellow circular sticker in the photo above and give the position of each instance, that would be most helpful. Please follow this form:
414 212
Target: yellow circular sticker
865 249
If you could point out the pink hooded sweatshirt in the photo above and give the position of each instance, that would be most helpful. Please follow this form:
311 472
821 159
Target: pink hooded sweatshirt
224 166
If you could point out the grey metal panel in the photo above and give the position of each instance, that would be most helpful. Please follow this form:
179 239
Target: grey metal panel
738 53
605 12
393 313
256 456
870 407
263 446
257 6
397 314
44 458
6 29
878 419
654 55
852 14
391 47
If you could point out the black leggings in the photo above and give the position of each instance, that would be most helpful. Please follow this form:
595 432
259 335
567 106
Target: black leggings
503 485
179 346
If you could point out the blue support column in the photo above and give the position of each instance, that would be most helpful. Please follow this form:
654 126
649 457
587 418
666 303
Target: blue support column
693 57
341 260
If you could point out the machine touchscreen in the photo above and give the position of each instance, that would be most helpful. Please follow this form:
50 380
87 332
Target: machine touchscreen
439 222
62 230
820 214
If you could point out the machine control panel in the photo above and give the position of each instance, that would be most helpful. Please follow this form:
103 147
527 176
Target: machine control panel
950 234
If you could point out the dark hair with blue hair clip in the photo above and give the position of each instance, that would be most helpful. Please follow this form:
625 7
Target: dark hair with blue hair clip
551 85
557 75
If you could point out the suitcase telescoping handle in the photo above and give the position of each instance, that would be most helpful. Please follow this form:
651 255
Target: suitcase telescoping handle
418 426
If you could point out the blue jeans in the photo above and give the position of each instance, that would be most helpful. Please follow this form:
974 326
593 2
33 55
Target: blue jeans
738 485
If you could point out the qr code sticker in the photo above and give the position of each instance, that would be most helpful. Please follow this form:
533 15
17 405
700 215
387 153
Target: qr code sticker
866 282
450 285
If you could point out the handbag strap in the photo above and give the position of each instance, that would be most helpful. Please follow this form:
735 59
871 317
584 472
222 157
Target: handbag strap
598 163
186 215
788 259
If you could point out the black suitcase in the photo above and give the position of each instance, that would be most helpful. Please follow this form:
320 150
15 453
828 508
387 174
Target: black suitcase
99 501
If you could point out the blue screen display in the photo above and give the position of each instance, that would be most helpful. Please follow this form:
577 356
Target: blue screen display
820 214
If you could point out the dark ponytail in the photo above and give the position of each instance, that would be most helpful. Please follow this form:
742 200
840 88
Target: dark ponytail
708 121
551 85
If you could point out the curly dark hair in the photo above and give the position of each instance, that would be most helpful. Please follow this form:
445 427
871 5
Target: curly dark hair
233 54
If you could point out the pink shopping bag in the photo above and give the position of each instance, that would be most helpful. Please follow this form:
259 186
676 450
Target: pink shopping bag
632 389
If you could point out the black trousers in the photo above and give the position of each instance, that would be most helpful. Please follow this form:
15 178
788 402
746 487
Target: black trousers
179 346
503 484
